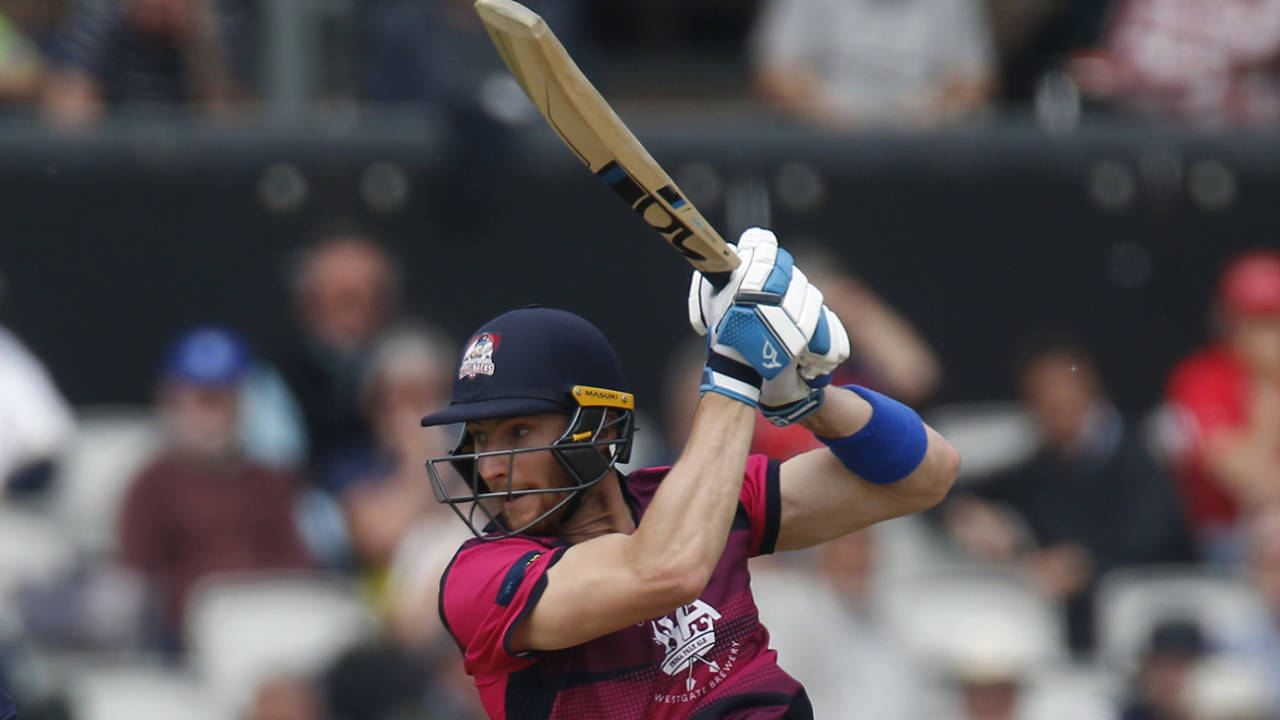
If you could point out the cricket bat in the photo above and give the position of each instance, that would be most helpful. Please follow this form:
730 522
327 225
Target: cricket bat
586 123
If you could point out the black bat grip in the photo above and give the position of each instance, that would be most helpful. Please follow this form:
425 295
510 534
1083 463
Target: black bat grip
717 279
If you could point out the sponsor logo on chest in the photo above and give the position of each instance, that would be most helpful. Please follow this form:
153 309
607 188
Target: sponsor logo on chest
688 637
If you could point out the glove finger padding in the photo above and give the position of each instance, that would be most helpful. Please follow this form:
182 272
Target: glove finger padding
774 315
828 348
707 303
696 315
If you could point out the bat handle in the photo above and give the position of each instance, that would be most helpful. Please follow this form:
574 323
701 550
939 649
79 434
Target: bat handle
717 279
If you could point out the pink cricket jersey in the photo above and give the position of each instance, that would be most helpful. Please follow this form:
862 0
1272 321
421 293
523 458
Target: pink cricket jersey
707 660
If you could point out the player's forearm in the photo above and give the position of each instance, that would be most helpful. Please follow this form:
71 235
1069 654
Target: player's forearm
844 413
684 531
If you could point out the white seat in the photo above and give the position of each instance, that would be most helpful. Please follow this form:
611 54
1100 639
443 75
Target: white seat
138 692
990 436
245 628
33 549
973 619
1072 692
109 449
1131 602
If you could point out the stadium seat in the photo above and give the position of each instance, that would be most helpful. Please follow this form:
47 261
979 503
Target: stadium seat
33 549
138 692
990 436
1131 602
94 472
245 628
1073 692
971 617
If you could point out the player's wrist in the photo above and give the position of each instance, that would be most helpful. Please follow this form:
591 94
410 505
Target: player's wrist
888 447
731 378
789 398
782 414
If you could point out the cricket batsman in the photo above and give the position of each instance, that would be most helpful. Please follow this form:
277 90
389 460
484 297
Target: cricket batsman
591 595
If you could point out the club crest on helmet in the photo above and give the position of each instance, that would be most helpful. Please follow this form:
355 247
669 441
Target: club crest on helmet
478 359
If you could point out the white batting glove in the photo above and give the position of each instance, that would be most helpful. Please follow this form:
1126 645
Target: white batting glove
798 391
758 322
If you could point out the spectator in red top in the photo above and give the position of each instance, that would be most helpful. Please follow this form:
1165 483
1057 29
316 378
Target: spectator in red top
200 507
1228 398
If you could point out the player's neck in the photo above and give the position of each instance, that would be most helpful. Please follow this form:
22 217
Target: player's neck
604 510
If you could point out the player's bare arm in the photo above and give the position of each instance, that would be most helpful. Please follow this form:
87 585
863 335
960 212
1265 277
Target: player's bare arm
822 499
618 579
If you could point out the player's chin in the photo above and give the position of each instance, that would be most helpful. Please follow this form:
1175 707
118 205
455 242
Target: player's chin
521 511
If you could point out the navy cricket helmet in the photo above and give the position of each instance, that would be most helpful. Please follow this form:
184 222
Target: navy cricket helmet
527 362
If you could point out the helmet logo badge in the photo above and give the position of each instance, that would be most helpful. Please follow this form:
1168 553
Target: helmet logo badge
478 359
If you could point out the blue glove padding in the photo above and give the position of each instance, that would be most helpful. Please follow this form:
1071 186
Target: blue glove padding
798 392
762 318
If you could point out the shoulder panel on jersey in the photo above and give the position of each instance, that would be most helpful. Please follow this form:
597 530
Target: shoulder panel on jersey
534 596
511 582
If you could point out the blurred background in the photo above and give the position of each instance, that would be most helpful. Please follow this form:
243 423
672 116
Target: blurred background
244 240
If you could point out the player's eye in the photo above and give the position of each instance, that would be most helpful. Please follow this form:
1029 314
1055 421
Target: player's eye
479 439
523 430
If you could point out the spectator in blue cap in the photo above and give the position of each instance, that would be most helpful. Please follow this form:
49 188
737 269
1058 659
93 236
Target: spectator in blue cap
201 506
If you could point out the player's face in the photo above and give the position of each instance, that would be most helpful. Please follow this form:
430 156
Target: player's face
1256 340
523 471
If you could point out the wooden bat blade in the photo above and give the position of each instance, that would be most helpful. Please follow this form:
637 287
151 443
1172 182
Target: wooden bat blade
589 126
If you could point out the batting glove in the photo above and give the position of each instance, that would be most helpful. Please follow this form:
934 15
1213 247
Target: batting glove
799 390
758 322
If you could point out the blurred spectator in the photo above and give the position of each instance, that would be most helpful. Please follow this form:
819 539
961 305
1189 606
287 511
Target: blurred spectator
989 668
1224 688
200 507
346 290
888 353
22 62
437 52
127 52
680 380
993 694
1227 397
1172 651
1032 37
285 697
1092 499
828 635
383 488
1210 63
844 64
35 421
1262 646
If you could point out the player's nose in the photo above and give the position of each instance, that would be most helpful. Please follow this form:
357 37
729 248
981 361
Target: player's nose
495 470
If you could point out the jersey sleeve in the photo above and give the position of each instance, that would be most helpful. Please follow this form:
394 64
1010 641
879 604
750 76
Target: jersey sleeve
487 591
762 500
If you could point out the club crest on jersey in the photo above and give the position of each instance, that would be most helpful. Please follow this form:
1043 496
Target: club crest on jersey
688 635
478 359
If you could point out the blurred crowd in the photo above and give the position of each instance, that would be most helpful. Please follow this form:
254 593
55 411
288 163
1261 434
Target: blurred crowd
263 544
835 64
